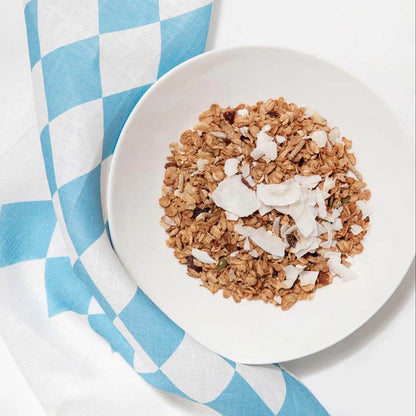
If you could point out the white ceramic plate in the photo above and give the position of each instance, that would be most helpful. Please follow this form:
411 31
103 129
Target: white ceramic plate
253 332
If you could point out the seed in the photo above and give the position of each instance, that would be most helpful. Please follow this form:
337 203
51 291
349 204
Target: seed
323 278
222 263
345 200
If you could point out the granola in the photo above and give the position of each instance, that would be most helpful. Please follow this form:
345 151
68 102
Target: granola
264 202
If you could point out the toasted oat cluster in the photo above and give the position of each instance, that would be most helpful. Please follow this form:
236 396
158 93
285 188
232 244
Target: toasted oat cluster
264 202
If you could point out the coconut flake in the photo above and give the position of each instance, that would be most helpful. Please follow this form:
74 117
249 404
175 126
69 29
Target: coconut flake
321 229
280 139
366 208
270 150
309 112
319 137
250 181
305 245
337 225
254 253
269 242
308 277
291 274
336 212
246 244
336 268
320 200
266 240
230 216
333 135
202 256
285 193
234 253
263 137
200 164
309 197
243 230
267 149
329 183
295 210
245 170
311 249
356 229
306 222
329 254
257 153
286 229
264 209
244 131
242 112
231 166
233 196
328 229
219 134
168 221
308 181
266 128
275 227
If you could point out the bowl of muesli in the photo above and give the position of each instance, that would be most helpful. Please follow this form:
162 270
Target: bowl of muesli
263 200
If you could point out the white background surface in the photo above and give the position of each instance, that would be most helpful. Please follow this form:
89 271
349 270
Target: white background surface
372 371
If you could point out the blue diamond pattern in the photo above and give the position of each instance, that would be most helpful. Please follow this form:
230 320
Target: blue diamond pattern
105 327
81 206
26 229
117 108
251 403
158 335
72 75
86 278
173 35
118 15
64 289
31 16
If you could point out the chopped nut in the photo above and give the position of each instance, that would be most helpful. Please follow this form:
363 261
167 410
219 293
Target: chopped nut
324 278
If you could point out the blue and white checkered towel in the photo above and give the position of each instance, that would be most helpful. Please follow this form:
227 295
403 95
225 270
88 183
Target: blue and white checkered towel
91 62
